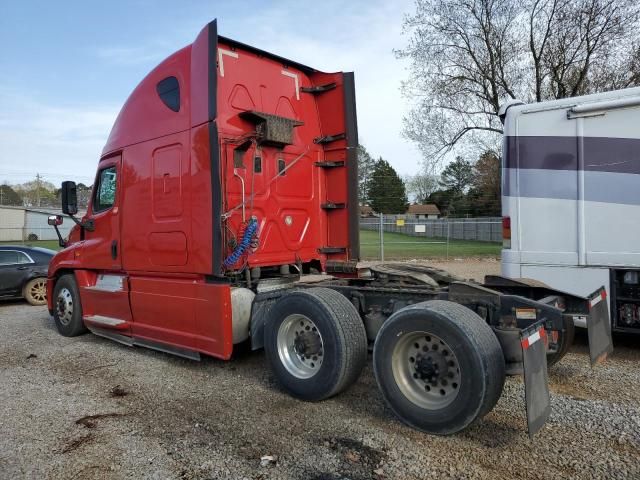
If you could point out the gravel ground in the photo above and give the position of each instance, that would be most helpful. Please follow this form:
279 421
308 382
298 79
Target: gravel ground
86 407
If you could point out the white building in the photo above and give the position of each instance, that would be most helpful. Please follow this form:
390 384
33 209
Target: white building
20 224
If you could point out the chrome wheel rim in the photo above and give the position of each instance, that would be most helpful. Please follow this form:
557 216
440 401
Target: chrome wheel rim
426 370
300 346
38 290
64 306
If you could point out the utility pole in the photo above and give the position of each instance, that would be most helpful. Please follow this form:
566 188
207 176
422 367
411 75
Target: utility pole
38 177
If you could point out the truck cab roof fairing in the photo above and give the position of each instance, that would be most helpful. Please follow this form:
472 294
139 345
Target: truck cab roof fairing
198 69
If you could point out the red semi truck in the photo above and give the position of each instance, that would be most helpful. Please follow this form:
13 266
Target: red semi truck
225 210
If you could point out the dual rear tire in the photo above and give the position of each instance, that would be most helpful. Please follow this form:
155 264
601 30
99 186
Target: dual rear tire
438 365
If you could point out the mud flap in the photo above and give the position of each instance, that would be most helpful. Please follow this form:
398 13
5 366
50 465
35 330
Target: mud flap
599 327
536 381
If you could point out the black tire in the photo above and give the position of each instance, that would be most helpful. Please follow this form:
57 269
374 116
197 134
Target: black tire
343 340
565 341
67 309
479 366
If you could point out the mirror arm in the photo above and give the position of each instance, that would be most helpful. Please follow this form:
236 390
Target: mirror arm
88 224
61 241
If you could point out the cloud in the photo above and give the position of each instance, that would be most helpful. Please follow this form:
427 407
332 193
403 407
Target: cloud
361 39
38 133
61 142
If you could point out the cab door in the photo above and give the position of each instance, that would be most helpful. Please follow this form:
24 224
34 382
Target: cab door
101 249
104 287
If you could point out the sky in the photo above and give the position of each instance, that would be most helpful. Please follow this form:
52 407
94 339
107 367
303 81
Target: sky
67 67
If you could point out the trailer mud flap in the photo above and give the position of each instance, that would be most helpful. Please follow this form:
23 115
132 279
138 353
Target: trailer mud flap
599 327
536 381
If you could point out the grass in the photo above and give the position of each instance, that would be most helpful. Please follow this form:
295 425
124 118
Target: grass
399 246
396 246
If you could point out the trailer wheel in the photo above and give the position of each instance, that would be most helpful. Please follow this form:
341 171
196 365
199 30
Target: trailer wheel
565 340
67 310
315 342
439 366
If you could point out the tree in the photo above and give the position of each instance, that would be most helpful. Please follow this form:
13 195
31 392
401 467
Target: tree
365 169
467 56
8 196
484 196
443 199
457 176
386 191
37 193
420 186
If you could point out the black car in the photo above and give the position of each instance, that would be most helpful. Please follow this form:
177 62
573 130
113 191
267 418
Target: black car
23 273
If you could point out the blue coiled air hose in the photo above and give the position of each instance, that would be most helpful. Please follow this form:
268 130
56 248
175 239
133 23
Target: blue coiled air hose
244 243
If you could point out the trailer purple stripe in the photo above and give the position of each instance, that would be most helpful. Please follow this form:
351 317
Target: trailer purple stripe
601 154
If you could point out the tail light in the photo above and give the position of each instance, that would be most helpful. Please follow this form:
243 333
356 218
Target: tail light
506 232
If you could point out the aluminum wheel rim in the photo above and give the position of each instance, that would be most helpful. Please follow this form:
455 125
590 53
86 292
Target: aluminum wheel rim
64 306
426 370
300 346
38 290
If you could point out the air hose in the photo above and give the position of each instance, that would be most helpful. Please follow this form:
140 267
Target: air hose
245 243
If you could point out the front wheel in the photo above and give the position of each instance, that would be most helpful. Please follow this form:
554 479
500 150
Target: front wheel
315 342
439 366
67 309
35 291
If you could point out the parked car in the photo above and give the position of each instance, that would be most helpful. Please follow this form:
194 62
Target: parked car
23 273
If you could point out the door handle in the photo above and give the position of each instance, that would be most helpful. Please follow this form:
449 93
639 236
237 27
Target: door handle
114 249
22 268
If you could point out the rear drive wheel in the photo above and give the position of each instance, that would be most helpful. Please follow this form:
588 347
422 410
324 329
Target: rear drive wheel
67 309
35 291
315 342
439 366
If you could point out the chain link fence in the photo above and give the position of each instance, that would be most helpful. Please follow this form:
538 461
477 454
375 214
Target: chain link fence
397 237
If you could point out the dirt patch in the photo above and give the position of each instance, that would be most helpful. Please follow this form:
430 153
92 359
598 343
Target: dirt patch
90 421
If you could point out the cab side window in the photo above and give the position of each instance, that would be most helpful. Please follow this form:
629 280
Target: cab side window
105 193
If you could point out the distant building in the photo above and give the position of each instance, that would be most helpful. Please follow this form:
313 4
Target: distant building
427 211
366 211
22 224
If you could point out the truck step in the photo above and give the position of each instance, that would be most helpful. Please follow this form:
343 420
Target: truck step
333 206
319 88
328 250
329 138
105 321
329 164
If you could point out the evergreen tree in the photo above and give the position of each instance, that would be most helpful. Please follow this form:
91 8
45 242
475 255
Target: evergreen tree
386 192
457 176
365 169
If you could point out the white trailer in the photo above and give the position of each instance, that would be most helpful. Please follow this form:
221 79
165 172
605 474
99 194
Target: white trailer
571 197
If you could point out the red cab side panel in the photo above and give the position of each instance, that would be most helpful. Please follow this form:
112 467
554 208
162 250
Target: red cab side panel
183 313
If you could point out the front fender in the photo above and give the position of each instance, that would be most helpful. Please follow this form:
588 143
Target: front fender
65 260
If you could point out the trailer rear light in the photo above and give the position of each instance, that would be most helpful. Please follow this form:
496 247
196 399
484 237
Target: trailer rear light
506 232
